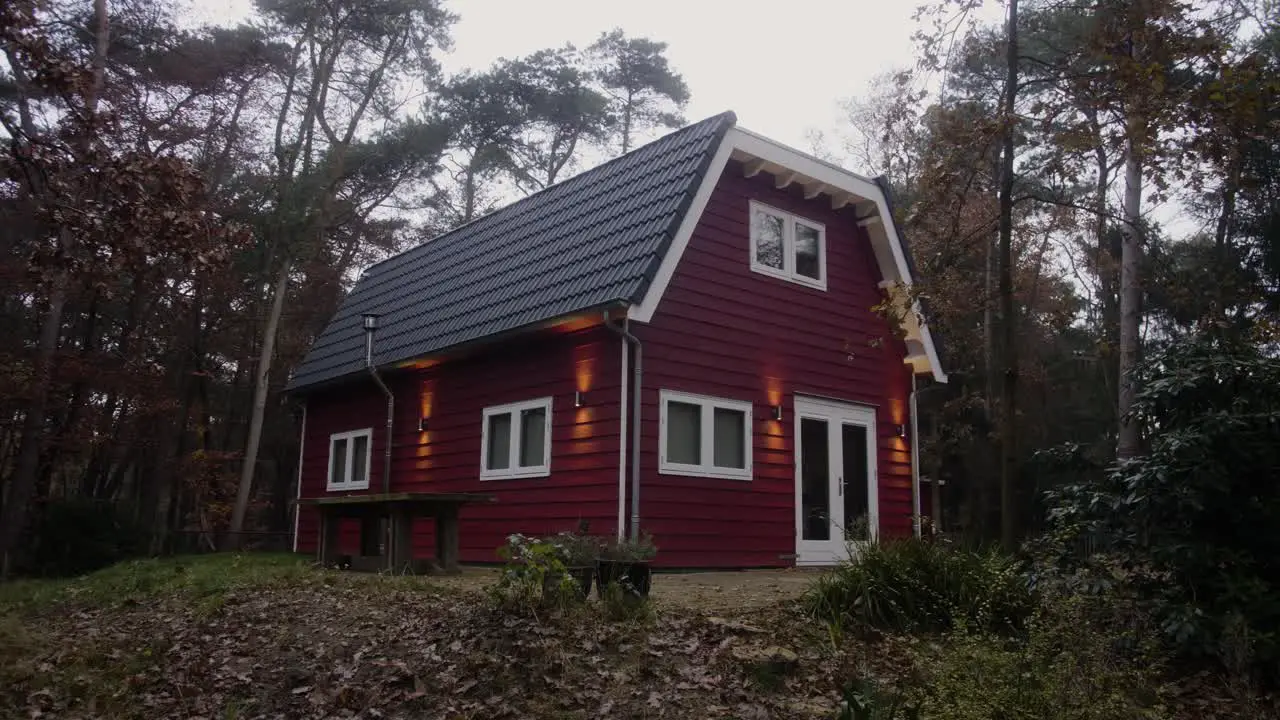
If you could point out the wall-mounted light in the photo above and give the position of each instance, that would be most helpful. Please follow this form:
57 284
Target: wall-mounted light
902 431
578 399
777 412
422 424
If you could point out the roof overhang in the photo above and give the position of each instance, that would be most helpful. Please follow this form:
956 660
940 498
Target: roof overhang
790 166
562 324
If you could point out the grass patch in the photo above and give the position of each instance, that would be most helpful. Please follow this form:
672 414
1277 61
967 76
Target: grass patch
202 577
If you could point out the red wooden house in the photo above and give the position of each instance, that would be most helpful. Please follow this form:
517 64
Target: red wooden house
681 340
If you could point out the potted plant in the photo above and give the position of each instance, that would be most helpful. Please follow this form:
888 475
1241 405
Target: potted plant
579 553
626 562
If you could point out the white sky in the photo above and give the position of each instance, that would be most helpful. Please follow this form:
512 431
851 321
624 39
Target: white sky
781 66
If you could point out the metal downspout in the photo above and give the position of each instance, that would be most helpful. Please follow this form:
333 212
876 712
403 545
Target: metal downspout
636 375
913 409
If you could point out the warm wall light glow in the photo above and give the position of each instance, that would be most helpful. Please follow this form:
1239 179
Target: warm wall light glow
421 363
426 403
772 389
584 364
582 420
897 411
579 323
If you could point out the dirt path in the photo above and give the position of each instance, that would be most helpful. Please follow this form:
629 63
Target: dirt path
711 592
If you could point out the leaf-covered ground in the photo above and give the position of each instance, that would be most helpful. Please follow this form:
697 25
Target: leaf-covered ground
290 641
272 637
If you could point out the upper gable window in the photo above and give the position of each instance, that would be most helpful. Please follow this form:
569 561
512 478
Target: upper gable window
787 246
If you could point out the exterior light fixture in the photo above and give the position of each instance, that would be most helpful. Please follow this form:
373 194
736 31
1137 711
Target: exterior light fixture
370 322
422 424
902 431
777 412
578 400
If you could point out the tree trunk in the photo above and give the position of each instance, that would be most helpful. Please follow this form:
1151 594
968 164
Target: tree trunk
1008 318
1104 259
260 392
1127 445
13 518
626 123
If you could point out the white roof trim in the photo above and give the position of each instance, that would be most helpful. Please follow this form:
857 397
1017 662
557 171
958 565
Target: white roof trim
779 158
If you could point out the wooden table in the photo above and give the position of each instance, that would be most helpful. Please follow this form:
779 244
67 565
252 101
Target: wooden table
399 509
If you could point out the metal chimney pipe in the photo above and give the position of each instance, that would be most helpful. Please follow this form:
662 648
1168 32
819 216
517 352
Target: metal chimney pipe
370 326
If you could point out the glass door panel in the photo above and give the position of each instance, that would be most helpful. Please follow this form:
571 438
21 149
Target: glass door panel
815 480
853 446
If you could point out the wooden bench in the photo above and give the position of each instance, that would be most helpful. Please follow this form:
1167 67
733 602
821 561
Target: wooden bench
399 510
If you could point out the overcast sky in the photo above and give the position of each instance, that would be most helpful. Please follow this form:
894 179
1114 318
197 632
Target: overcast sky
781 66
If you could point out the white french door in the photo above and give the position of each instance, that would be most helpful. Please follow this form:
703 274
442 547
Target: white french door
835 459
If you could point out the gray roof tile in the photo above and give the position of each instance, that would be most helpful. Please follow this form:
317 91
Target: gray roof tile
589 241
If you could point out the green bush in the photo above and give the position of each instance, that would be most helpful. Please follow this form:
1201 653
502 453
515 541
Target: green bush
1079 659
914 585
535 576
1193 522
75 536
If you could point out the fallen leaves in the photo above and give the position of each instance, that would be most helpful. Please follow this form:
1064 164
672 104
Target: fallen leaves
341 647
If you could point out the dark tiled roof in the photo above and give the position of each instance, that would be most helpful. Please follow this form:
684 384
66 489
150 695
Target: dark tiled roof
589 241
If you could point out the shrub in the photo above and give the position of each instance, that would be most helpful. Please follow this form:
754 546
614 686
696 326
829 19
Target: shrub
576 550
74 536
1193 521
641 549
535 576
913 585
619 605
1078 660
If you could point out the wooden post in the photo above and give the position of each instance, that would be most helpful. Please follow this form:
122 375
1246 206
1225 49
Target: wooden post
401 559
447 537
328 537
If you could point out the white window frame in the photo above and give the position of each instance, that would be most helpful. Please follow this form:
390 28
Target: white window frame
705 468
350 438
788 271
515 470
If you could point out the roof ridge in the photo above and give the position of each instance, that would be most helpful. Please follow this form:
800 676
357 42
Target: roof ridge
566 183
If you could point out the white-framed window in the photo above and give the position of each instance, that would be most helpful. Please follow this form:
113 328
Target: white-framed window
705 436
788 246
349 454
516 440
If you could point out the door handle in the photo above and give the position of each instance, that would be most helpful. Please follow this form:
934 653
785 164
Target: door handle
840 487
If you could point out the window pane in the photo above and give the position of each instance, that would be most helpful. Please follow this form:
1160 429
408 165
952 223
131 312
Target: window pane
533 435
684 433
766 232
807 262
499 456
359 458
729 448
338 462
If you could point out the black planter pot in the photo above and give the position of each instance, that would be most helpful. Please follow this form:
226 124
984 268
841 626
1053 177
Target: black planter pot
634 576
583 576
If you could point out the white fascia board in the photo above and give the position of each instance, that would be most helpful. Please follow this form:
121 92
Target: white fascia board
884 234
643 311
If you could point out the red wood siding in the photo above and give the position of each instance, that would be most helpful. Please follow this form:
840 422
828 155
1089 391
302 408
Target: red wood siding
725 331
584 441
